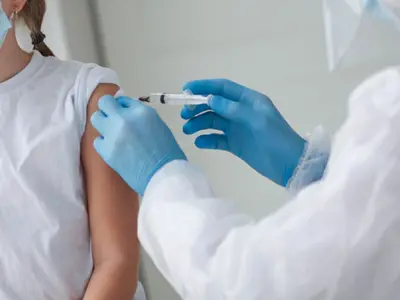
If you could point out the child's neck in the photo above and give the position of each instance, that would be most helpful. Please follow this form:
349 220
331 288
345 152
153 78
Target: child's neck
12 58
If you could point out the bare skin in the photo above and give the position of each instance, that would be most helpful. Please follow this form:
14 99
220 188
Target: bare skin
113 212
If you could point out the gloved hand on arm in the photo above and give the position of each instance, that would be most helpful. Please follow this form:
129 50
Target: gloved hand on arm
252 128
134 141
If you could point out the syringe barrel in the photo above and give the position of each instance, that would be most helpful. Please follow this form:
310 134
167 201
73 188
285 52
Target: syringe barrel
180 99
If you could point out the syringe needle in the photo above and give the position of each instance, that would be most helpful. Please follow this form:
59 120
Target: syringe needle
145 99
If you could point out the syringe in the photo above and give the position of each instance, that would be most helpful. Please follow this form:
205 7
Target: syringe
175 99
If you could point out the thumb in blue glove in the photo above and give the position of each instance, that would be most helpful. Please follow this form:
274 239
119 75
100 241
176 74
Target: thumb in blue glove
134 141
250 125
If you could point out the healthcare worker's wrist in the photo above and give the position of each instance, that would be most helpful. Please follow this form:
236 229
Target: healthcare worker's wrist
294 158
313 161
167 169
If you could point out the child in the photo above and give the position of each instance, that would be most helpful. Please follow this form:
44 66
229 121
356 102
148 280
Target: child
65 231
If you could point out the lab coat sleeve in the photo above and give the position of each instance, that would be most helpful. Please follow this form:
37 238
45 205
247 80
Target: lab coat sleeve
338 239
313 162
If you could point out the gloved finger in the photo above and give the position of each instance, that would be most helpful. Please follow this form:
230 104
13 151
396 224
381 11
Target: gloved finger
189 112
99 121
108 105
213 142
202 87
220 87
126 102
230 110
206 121
99 146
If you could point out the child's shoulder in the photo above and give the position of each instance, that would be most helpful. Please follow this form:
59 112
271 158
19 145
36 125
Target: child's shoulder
70 67
83 77
74 80
82 73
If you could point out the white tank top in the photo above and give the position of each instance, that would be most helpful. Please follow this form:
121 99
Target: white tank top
44 236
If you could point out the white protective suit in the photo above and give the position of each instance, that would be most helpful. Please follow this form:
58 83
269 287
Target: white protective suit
338 239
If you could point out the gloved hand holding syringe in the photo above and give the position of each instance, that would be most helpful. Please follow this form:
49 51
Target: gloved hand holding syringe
246 123
175 99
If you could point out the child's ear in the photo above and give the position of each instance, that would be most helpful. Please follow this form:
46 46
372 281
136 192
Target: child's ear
17 5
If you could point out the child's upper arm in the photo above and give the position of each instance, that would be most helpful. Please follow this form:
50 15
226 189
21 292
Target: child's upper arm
112 205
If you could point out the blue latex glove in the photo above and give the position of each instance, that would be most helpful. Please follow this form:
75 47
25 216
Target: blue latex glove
135 142
252 128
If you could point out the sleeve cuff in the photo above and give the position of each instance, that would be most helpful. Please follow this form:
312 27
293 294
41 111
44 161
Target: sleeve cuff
313 162
88 79
178 177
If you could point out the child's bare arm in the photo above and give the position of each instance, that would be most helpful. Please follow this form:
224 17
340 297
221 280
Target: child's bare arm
113 210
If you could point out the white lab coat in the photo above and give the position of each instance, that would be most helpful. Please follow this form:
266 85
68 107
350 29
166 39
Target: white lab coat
338 239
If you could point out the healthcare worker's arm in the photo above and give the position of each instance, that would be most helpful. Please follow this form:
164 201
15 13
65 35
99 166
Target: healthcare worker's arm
338 239
113 209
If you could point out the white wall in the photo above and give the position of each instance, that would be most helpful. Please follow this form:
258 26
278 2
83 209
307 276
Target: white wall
273 46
